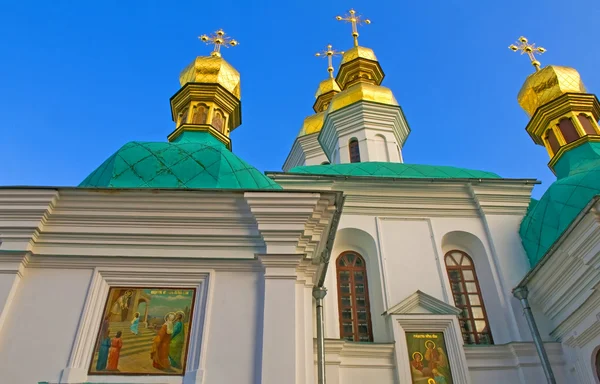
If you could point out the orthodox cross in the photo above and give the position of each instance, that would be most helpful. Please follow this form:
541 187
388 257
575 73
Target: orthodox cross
219 39
329 53
530 49
355 21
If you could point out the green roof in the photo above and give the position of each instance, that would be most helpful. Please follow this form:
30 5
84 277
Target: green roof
578 173
194 160
394 170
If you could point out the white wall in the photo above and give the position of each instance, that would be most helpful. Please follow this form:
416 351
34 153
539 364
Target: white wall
41 324
235 329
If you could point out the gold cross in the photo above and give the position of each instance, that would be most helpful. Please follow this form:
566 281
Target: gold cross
356 21
219 39
329 53
529 49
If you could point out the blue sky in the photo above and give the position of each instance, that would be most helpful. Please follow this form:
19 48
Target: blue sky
80 79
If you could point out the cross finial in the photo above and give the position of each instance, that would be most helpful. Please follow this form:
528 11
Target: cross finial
356 21
530 49
329 53
219 39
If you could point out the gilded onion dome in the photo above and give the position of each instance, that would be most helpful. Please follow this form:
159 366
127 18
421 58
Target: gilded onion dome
548 84
325 93
360 78
213 70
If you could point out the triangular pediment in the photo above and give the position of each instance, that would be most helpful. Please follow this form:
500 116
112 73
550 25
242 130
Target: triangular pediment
422 303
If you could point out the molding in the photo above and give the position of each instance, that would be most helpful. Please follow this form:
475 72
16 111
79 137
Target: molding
293 222
280 266
406 197
24 213
513 355
349 354
102 279
200 128
419 302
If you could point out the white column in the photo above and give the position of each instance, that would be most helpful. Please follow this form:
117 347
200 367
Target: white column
279 318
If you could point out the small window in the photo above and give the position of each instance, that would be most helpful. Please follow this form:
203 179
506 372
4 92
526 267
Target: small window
568 130
354 151
552 140
467 297
353 298
587 124
325 163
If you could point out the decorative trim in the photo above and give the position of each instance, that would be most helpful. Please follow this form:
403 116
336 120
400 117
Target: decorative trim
200 128
76 370
448 325
280 266
422 300
567 147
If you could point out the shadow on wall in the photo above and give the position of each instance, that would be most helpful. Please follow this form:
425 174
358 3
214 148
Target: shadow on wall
357 240
493 296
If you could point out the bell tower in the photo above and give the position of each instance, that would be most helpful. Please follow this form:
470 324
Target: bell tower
563 115
209 98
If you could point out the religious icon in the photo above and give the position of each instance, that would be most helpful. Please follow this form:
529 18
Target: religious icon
144 331
428 358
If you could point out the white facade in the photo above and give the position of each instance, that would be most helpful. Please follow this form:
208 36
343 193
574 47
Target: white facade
252 256
403 229
380 129
305 151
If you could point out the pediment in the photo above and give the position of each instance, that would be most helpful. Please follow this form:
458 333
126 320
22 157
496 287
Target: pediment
422 303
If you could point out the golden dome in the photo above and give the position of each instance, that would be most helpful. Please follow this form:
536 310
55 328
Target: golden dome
362 91
355 52
312 124
212 69
546 85
327 86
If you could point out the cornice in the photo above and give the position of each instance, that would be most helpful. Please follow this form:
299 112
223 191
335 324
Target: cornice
24 213
293 222
344 352
419 197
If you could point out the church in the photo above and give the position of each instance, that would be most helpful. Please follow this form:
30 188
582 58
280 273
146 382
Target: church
179 262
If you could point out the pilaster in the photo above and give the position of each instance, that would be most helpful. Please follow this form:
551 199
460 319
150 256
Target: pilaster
280 319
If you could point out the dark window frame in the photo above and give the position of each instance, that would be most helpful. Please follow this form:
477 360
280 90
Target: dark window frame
354 150
352 270
470 335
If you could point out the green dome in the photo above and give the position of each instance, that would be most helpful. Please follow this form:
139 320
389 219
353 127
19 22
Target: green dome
394 170
578 173
194 160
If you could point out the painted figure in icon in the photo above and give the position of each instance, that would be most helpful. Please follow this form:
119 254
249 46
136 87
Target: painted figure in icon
417 361
438 377
103 351
177 341
114 352
135 323
161 344
121 304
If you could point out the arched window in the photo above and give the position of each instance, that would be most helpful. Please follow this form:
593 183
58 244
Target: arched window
596 362
568 130
467 297
353 298
218 120
552 140
587 124
200 112
325 163
354 151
